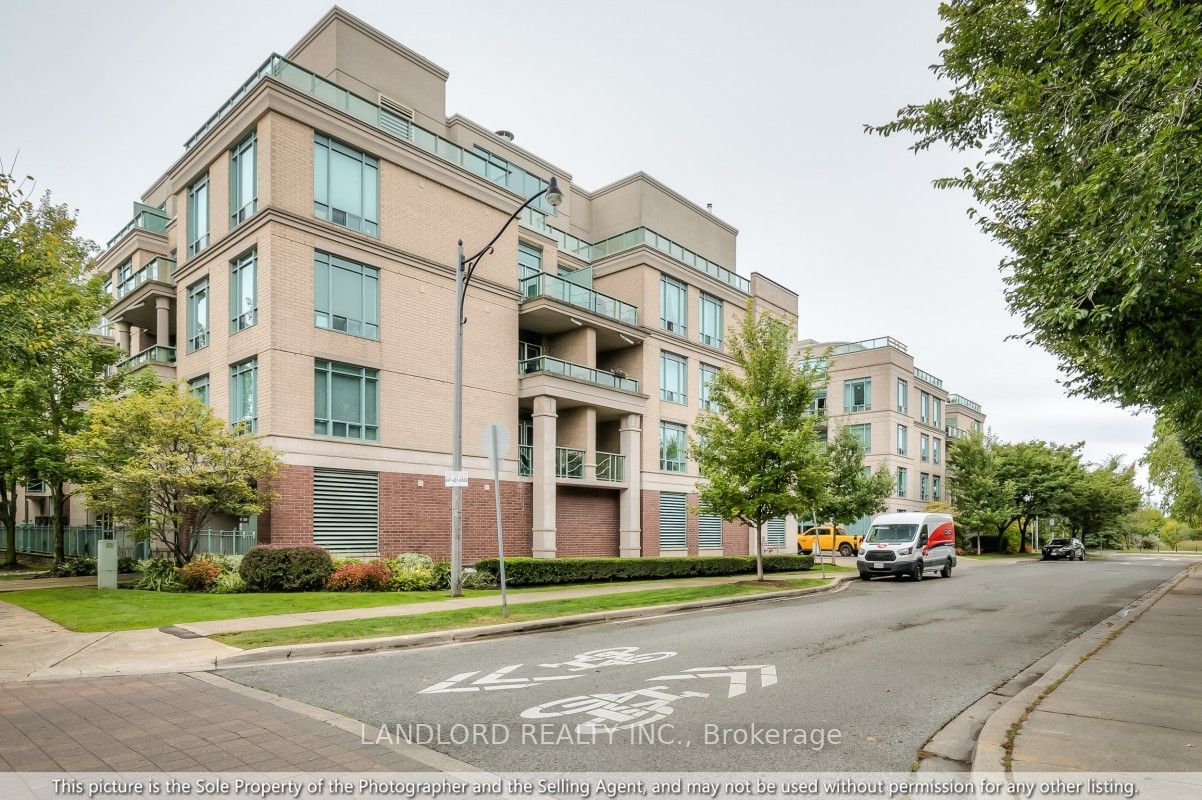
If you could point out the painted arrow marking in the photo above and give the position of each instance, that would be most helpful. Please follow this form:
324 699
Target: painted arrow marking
736 674
491 682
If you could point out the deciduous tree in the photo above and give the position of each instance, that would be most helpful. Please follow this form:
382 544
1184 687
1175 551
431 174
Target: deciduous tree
983 500
854 490
1174 475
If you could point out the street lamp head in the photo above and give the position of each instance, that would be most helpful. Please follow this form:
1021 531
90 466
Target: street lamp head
554 195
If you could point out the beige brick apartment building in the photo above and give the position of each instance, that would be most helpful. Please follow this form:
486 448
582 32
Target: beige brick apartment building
902 415
294 268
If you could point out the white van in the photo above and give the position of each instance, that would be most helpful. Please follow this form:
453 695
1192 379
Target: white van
908 543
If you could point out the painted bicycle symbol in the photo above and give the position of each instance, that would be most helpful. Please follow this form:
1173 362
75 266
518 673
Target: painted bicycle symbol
609 657
609 712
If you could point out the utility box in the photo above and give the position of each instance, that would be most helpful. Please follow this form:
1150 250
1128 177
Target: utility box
106 564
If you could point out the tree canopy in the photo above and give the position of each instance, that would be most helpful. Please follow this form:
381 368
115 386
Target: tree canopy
758 453
854 491
1173 474
1085 118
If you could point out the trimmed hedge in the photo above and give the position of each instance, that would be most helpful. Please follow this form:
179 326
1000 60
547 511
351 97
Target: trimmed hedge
544 571
267 568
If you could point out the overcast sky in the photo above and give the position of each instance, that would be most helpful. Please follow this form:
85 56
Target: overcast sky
754 106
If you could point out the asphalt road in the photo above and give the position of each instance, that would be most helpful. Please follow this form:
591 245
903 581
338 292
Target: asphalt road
885 663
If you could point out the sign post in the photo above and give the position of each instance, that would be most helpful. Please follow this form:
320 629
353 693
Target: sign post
495 441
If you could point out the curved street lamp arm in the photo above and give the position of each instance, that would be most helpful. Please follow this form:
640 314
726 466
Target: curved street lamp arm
470 263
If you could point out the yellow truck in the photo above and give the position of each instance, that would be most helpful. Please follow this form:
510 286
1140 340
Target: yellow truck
845 543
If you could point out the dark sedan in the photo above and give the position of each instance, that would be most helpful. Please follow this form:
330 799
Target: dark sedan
1072 549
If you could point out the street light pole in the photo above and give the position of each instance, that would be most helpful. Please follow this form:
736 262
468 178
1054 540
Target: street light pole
464 269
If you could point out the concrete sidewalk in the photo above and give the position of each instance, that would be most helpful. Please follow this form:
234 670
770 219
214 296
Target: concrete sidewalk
1135 705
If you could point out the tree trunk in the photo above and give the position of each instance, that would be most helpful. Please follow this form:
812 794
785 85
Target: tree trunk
8 510
59 494
978 544
759 550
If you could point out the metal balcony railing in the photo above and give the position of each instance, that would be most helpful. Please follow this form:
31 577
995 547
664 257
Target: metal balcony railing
569 462
555 287
960 400
146 218
611 467
526 459
555 366
160 269
923 375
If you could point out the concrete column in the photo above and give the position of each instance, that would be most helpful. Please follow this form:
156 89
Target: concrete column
123 337
630 516
162 311
544 477
791 532
590 443
137 340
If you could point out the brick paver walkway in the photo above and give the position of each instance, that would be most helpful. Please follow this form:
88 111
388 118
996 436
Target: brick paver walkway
171 722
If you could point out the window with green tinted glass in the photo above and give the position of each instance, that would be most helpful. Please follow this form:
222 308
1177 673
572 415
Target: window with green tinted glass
936 487
347 296
346 401
924 407
198 387
672 447
530 260
903 436
924 447
903 396
863 434
936 412
707 374
673 377
924 486
673 305
346 186
198 315
936 452
244 294
711 321
901 481
857 395
244 390
244 183
198 215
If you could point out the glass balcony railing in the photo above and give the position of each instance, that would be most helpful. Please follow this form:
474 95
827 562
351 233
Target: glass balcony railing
923 375
959 400
569 462
567 369
555 287
868 344
525 459
155 354
146 218
611 467
160 269
511 176
955 433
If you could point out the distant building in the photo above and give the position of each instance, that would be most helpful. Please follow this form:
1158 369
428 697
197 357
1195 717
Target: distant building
901 414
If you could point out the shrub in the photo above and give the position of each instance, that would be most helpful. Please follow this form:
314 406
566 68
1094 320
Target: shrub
158 575
1147 542
412 572
226 563
442 575
481 580
127 565
361 577
74 567
413 561
199 575
543 571
959 551
268 568
228 583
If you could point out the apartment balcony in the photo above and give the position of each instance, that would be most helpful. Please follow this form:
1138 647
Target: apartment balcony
159 359
955 433
135 294
146 218
964 402
570 464
552 305
572 385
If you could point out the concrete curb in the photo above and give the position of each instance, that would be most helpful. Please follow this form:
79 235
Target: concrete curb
990 751
266 655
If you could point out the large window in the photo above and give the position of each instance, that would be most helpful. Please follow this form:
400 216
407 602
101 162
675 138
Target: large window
711 321
672 447
936 451
198 315
863 434
924 407
244 183
924 447
924 486
198 215
346 186
673 378
936 487
936 412
901 481
347 296
903 436
857 395
198 387
530 260
244 390
346 401
244 294
673 305
707 374
903 396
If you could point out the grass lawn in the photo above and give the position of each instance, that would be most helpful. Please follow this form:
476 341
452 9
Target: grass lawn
473 617
86 609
